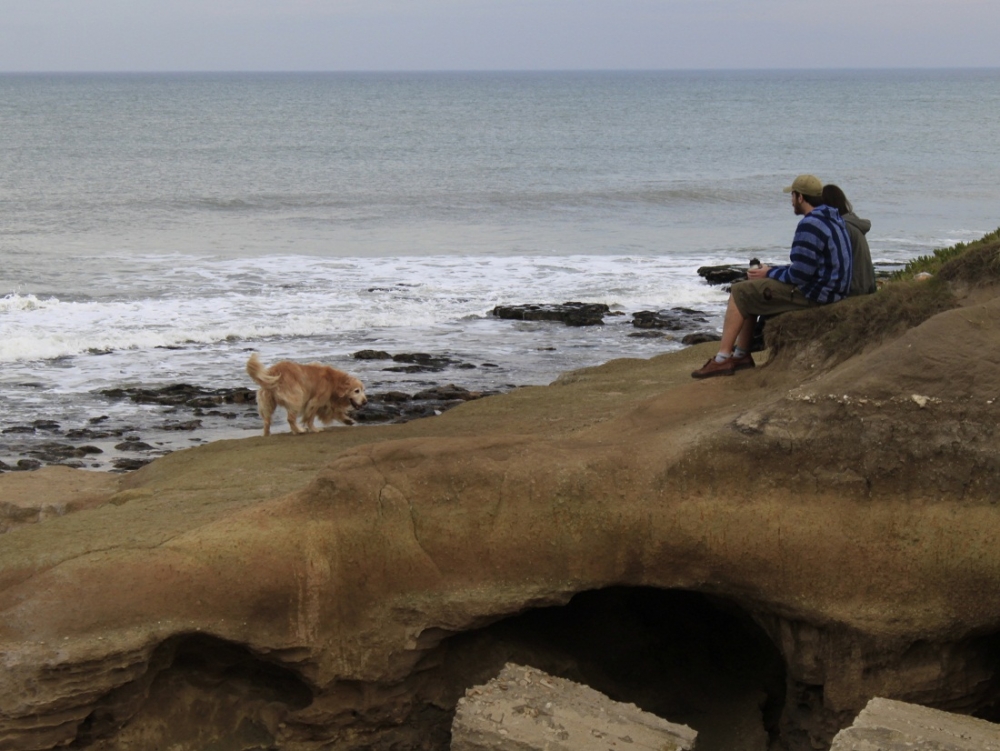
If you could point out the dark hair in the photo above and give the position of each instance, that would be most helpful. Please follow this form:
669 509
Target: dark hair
834 196
813 201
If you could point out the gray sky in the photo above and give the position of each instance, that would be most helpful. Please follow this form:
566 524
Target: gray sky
143 35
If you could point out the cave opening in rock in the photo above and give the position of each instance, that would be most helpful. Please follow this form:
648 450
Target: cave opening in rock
684 656
197 689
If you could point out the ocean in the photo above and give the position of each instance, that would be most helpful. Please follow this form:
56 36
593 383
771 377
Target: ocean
157 228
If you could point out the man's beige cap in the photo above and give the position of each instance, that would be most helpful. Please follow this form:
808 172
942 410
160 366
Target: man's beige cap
806 185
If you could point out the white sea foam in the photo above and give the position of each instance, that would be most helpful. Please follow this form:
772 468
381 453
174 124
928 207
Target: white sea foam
295 297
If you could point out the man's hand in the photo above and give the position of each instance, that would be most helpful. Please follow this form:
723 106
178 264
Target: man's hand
757 273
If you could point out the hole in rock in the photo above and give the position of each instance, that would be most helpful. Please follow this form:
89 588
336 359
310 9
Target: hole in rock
684 656
988 705
198 690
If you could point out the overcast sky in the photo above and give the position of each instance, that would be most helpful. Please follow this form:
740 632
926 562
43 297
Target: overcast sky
281 35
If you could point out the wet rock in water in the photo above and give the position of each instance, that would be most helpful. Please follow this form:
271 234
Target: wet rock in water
418 362
55 453
211 400
726 274
28 464
87 433
393 396
398 407
98 420
124 464
189 425
651 334
570 313
133 446
184 394
421 362
447 393
240 396
675 319
376 412
701 337
4 467
420 357
371 354
19 429
47 425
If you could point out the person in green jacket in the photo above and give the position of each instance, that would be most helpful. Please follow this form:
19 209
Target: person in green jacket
863 275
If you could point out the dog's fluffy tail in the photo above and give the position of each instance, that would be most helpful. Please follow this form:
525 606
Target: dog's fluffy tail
255 369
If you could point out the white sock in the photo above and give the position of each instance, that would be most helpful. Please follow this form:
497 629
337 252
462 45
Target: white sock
722 356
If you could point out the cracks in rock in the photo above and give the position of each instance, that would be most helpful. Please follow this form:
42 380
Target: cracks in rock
384 499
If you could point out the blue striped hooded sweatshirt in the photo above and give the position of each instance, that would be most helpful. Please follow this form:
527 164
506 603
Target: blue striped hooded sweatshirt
821 257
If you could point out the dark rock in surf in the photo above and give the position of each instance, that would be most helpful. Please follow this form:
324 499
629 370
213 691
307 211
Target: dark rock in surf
570 313
701 337
675 319
726 274
183 394
123 464
447 393
378 412
57 452
91 435
371 354
133 446
421 362
189 425
394 396
398 407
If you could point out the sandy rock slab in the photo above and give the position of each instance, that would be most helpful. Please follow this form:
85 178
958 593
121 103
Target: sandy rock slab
524 709
886 725
32 497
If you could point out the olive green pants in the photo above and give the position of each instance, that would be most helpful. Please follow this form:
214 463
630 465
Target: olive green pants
765 297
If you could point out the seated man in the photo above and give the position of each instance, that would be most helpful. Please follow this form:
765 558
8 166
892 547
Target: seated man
819 273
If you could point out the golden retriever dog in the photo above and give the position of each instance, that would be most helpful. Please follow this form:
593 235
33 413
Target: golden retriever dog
306 392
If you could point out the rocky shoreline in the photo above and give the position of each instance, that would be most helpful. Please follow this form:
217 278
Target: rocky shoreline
190 415
185 415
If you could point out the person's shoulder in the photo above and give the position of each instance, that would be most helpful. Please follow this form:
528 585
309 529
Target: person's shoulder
826 215
853 221
819 217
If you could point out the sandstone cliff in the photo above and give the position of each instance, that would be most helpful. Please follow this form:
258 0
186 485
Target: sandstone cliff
828 528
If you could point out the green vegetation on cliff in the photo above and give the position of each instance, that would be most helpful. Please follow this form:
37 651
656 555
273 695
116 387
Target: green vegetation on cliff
933 263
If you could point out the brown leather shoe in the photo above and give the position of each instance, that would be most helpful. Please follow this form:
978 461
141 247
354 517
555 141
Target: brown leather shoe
742 363
713 368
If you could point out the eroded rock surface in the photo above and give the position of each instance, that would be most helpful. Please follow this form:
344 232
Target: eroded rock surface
327 590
